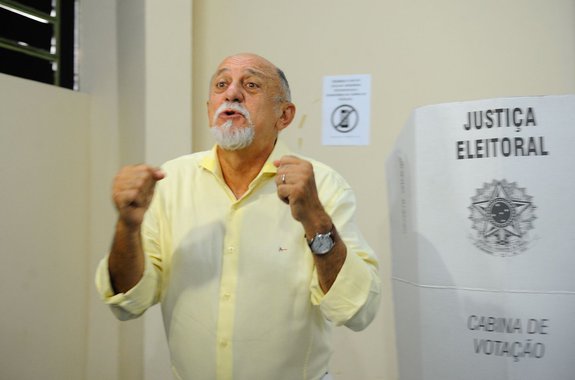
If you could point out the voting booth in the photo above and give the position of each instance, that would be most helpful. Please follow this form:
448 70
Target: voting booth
482 207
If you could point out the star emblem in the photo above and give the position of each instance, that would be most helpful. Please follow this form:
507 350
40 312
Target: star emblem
502 213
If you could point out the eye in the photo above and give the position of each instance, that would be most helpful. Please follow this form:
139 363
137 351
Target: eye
252 85
220 84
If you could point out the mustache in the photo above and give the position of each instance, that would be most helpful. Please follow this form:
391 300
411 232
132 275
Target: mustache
226 106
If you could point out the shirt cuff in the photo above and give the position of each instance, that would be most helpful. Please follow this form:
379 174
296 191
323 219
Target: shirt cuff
135 301
348 293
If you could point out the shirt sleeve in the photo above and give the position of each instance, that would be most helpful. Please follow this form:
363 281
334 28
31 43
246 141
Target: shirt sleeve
353 299
135 301
146 292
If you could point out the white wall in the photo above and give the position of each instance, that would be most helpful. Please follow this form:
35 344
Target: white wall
99 79
59 151
136 64
58 161
44 153
418 52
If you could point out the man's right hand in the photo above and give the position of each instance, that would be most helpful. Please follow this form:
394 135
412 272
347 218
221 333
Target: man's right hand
132 192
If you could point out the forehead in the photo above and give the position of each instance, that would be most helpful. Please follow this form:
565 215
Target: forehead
246 65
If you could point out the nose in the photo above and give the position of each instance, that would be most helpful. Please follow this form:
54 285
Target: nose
234 93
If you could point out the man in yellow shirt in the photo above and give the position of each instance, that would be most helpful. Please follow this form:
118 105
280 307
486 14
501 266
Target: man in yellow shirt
252 252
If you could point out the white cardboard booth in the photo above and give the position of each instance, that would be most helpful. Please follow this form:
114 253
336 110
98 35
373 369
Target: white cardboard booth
482 207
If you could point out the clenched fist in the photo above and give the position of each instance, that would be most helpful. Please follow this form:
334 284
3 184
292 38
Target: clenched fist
296 186
133 190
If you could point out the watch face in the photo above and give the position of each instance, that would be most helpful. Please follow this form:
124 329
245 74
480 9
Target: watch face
322 244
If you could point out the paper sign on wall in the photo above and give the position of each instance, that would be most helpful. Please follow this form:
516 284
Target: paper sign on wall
346 110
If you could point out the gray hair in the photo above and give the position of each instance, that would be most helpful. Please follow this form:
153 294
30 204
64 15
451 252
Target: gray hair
284 87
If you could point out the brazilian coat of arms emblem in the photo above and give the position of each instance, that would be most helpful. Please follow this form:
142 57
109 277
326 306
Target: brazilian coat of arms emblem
502 215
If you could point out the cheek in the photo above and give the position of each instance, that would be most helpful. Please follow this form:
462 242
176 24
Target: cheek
210 118
211 111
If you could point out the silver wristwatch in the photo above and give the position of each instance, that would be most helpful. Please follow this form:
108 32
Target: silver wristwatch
322 243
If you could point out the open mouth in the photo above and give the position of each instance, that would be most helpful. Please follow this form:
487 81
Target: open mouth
230 113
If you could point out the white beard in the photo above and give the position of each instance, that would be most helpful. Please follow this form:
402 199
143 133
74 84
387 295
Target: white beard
229 137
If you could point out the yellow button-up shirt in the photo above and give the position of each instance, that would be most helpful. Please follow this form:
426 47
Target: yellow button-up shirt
236 279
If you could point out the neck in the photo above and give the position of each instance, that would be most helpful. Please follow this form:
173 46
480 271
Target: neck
240 167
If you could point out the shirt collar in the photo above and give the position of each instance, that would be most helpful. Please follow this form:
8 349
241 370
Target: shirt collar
211 163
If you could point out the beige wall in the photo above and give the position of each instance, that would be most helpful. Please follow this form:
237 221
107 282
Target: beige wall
418 52
137 68
59 151
58 161
44 153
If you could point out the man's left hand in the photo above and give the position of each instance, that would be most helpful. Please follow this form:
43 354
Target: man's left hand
296 186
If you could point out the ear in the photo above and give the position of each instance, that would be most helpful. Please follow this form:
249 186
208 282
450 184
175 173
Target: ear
287 115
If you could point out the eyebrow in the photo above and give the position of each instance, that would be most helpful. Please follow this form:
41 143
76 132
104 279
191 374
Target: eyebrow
254 72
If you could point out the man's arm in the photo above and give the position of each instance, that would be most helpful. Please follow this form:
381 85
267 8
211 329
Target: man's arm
353 299
132 193
297 187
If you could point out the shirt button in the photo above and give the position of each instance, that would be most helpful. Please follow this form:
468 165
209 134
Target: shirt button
227 296
223 343
230 250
